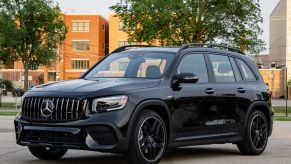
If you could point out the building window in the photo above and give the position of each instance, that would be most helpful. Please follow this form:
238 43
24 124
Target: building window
52 76
125 43
123 66
80 45
121 25
81 26
80 64
9 65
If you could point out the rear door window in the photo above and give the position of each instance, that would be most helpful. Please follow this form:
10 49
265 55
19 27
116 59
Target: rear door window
222 68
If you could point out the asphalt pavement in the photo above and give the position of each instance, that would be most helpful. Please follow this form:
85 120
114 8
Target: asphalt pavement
277 152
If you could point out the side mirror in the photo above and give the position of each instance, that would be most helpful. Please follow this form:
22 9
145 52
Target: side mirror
187 78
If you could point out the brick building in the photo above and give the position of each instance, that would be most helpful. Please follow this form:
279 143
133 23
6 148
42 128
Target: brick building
117 37
84 45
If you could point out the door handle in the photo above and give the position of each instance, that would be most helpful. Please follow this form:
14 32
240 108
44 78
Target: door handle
209 91
241 90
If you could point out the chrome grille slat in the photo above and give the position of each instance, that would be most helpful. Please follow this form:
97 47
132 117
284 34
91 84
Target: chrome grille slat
77 113
54 107
27 109
57 106
34 107
72 108
30 108
65 109
62 107
23 106
38 112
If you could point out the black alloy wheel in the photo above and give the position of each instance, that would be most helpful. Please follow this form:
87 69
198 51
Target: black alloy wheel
149 139
256 135
259 131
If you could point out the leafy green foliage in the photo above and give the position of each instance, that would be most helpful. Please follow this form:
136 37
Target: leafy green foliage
31 31
175 22
6 84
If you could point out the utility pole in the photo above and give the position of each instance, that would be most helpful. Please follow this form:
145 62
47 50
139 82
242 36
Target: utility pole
286 110
0 88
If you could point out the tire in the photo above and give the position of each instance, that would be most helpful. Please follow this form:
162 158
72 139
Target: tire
45 153
148 139
256 135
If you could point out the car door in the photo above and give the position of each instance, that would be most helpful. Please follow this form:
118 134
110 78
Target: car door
231 91
194 104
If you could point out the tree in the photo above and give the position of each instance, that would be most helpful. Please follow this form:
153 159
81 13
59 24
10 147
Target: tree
31 31
6 84
176 22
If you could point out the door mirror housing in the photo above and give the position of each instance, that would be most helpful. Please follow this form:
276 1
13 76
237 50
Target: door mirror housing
187 78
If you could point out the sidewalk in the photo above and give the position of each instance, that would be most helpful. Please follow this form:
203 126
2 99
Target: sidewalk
8 110
10 99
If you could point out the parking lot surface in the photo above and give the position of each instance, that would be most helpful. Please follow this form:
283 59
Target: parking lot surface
278 151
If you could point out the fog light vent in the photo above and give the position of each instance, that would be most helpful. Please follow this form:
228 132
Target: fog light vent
103 135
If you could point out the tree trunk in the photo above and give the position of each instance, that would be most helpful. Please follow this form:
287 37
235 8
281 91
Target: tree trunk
26 69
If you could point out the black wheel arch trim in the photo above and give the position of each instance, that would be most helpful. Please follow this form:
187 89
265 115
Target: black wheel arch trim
252 107
151 102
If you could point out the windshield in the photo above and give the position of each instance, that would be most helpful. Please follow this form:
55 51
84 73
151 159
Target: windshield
149 65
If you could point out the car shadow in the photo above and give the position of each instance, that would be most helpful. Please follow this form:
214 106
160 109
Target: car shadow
200 152
187 153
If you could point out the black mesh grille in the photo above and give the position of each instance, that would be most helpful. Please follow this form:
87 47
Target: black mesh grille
104 135
57 138
64 109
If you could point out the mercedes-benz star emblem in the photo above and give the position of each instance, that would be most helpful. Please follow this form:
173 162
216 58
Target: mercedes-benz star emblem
47 108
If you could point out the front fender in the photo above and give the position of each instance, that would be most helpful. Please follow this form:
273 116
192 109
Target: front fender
143 105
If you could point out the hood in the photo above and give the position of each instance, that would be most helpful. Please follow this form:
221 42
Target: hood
98 85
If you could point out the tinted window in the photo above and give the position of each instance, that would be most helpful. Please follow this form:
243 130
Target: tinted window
235 69
246 71
222 68
194 63
148 65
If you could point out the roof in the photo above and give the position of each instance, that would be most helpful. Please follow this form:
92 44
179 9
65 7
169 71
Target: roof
158 49
176 49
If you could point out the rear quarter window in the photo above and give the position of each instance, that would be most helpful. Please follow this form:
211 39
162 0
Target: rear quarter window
246 71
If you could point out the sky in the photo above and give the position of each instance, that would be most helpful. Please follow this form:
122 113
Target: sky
101 7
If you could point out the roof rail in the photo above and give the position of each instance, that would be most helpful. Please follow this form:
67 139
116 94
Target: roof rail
206 45
124 48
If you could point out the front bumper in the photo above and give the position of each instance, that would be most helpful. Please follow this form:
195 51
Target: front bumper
82 134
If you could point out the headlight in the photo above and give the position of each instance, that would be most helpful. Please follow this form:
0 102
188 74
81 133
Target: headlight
108 103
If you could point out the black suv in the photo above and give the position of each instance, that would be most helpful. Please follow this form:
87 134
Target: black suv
142 100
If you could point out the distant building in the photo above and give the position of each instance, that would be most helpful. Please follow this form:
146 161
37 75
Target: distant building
262 61
117 37
280 36
85 44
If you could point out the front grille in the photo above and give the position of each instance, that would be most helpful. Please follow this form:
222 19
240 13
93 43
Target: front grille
64 109
56 138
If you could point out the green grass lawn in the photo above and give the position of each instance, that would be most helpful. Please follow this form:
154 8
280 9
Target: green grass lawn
281 109
8 106
8 113
282 118
277 109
